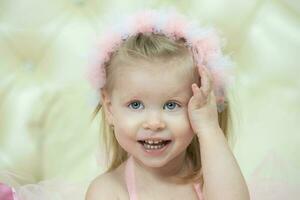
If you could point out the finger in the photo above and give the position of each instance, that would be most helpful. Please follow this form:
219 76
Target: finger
198 92
195 89
213 97
209 79
198 98
206 81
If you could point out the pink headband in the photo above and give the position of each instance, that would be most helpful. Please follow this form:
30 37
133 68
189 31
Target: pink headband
203 43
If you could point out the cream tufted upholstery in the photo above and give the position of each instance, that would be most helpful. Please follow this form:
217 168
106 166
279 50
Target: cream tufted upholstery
45 102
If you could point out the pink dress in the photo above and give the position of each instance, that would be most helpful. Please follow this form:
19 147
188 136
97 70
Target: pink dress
130 181
262 185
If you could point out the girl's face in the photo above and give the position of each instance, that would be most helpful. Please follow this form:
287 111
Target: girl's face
151 102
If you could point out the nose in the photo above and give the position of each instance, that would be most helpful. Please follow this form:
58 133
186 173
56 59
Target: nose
154 123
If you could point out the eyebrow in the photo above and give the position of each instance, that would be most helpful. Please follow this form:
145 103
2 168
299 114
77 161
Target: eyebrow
129 95
139 95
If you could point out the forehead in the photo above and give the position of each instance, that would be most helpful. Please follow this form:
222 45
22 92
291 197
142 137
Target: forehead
160 78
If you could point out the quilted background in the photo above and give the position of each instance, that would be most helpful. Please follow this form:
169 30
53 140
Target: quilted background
45 102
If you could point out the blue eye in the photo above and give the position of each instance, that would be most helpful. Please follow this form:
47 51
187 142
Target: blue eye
135 104
172 105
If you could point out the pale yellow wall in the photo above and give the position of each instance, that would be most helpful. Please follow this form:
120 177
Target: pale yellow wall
45 102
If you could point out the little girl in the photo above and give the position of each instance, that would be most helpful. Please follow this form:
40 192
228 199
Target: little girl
162 83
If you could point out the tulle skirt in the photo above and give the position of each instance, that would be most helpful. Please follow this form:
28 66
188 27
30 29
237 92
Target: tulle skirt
54 189
261 184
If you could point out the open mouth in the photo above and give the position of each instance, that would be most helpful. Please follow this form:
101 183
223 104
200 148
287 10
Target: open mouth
154 145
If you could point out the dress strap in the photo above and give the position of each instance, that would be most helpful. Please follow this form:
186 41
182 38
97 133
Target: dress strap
198 191
130 179
131 186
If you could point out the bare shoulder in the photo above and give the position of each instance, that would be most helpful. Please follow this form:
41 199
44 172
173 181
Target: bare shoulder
101 188
110 185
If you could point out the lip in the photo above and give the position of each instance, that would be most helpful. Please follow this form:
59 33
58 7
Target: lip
153 138
154 152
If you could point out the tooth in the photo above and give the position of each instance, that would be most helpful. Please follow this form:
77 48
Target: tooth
149 141
148 146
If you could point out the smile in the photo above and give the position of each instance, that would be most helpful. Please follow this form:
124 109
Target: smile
150 145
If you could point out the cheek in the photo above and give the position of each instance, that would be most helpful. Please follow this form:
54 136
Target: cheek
125 140
183 135
127 125
125 132
181 127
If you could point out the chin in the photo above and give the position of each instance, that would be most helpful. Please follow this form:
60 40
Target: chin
154 162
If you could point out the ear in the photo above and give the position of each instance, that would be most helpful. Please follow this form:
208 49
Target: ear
106 104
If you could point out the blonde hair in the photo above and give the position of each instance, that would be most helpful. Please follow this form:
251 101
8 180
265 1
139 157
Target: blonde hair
152 46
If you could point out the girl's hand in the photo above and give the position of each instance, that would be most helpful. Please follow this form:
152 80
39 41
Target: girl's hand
202 108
